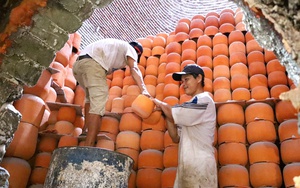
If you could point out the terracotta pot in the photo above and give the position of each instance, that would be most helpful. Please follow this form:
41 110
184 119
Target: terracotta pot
152 139
67 141
44 122
211 21
154 118
110 124
134 154
211 30
152 60
106 144
42 87
236 36
221 83
239 68
189 54
233 175
274 65
150 80
263 151
205 61
288 152
59 77
240 94
37 108
173 47
128 139
38 175
145 42
195 33
162 58
172 67
174 57
276 90
208 85
150 158
197 23
151 70
226 17
169 80
168 177
19 171
222 95
260 93
269 55
265 174
248 36
262 130
132 179
258 80
47 144
170 156
24 142
142 106
147 52
289 172
128 80
232 153
160 125
276 78
171 90
158 41
171 100
130 122
182 27
238 17
62 56
70 80
204 51
284 110
148 176
66 113
255 56
189 44
204 40
221 71
69 94
52 95
64 127
231 132
259 111
226 28
117 105
239 81
237 46
237 57
288 129
220 38
198 16
230 113
252 45
221 60
257 67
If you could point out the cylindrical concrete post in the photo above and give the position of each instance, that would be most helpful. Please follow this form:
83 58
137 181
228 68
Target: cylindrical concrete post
79 167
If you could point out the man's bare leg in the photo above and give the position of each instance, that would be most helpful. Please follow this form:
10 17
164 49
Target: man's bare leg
92 122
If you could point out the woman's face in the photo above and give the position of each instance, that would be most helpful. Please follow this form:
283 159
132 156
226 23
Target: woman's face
190 84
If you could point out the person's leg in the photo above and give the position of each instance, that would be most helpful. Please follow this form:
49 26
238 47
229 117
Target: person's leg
92 122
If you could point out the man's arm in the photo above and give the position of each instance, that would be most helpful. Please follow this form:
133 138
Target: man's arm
167 110
137 76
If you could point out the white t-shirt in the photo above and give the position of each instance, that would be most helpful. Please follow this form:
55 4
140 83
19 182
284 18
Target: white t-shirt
196 122
110 53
